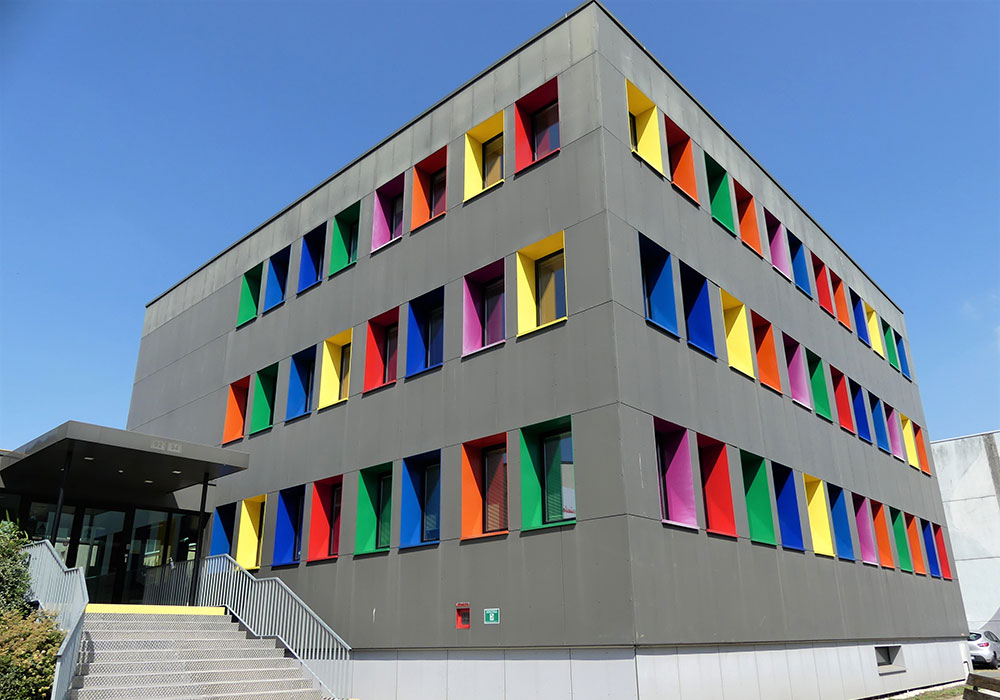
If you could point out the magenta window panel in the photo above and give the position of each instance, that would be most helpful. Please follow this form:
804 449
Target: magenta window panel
483 307
895 432
778 244
866 536
383 222
676 477
798 377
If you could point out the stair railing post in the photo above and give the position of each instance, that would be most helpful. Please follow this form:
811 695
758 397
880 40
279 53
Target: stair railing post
196 571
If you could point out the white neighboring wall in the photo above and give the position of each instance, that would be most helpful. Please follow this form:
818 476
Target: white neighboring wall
968 470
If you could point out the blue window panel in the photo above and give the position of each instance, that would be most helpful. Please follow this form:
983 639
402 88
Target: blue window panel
860 322
841 522
311 260
800 266
788 507
697 310
277 277
860 412
425 332
223 524
300 383
904 366
418 503
878 420
932 558
658 285
288 526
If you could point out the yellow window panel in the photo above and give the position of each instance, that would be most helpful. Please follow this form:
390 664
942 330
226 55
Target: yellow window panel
251 530
528 303
910 442
738 345
475 175
334 378
644 127
874 332
819 516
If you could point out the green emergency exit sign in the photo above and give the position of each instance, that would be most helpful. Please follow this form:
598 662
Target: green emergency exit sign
491 616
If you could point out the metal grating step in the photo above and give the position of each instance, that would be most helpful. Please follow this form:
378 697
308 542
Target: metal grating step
185 677
162 622
135 655
196 690
155 644
230 632
218 662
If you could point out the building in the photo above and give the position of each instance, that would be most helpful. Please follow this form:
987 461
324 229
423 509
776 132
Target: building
969 472
556 392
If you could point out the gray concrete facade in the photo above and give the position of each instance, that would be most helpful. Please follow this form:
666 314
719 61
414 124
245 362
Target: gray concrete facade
617 577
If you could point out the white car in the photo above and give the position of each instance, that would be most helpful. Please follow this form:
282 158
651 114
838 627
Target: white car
984 648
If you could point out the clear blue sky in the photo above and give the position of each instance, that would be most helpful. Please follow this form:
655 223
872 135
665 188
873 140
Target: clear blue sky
139 139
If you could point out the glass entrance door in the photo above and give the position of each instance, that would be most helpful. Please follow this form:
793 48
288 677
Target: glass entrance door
101 553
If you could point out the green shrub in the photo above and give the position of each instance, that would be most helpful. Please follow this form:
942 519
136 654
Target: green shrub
28 646
14 578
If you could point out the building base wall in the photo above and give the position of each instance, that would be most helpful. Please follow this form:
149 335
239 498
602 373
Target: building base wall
758 672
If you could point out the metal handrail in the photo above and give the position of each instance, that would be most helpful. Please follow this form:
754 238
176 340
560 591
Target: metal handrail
64 592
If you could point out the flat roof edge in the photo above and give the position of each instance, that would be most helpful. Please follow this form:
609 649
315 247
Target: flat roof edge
966 437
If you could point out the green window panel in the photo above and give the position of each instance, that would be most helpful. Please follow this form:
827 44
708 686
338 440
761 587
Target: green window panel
758 497
374 522
264 387
548 495
890 345
344 241
817 377
249 295
719 196
902 547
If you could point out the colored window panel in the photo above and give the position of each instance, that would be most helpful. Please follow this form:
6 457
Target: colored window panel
676 478
483 308
236 410
311 257
420 500
425 332
680 149
777 242
541 283
277 278
430 179
479 170
880 521
819 516
932 558
335 369
918 438
536 125
800 264
697 310
767 354
913 537
288 526
380 350
746 210
249 294
251 532
223 527
840 300
798 374
548 491
822 279
264 385
866 534
842 399
878 420
387 224
874 334
718 193
374 523
860 412
644 127
904 365
758 498
324 519
942 553
717 490
344 241
787 503
484 486
300 383
895 433
658 285
899 533
817 379
858 304
734 313
909 442
841 522
890 345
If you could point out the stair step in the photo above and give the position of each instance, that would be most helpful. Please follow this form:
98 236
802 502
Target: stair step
218 662
129 617
146 643
254 695
198 690
230 632
160 622
136 655
185 677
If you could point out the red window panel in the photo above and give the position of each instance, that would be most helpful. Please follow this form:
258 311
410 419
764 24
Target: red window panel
841 395
381 350
822 284
324 519
716 486
941 551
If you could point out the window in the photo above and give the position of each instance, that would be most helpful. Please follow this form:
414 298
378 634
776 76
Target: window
388 221
918 437
822 284
658 285
800 268
841 522
787 503
932 559
249 295
264 386
300 384
890 345
344 242
311 258
673 454
324 521
425 332
697 310
429 188
858 304
819 516
644 127
483 308
746 210
777 244
236 410
895 434
541 284
548 490
680 148
288 526
902 548
798 376
374 524
904 365
878 420
758 498
420 500
913 536
335 371
718 193
942 553
863 521
909 442
860 412
484 156
767 354
873 330
734 313
223 526
842 399
889 659
817 378
277 278
484 486
716 487
380 350
536 125
880 520
251 532
840 300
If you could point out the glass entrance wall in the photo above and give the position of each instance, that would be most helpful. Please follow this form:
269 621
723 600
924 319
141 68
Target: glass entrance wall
38 524
101 552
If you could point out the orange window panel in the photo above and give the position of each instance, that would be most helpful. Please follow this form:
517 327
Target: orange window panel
840 300
913 537
746 210
918 434
881 522
767 355
236 410
681 151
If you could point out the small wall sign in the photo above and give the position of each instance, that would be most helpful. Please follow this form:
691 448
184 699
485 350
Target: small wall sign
491 616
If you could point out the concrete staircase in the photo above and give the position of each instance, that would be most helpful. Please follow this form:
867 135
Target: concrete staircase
182 654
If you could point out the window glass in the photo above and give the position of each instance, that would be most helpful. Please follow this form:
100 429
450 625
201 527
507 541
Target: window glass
389 373
559 487
493 161
335 496
632 132
973 636
495 490
352 240
384 511
493 312
545 130
437 193
434 334
550 281
396 221
431 526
